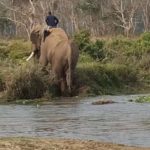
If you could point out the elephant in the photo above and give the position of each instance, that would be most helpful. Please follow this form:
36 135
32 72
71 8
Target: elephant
58 50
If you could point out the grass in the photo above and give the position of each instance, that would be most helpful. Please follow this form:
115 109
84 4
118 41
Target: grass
114 66
106 78
143 99
26 83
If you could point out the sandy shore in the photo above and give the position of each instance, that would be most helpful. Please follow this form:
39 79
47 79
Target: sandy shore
50 144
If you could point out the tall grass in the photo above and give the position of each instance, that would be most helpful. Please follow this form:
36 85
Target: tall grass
27 82
104 67
105 78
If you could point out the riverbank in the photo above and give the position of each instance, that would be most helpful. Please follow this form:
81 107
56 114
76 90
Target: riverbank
106 66
51 144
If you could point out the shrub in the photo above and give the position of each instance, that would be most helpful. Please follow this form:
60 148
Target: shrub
145 36
143 99
128 51
94 49
104 78
83 39
118 47
26 83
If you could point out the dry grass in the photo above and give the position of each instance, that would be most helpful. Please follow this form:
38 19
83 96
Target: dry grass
46 144
27 82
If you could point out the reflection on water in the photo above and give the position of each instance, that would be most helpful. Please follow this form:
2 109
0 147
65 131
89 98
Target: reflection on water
122 122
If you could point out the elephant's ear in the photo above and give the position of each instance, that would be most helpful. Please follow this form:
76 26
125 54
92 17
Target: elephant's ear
35 33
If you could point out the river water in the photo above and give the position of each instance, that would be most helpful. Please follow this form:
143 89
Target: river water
122 122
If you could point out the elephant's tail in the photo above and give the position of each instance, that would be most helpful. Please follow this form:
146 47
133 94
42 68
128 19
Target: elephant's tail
69 69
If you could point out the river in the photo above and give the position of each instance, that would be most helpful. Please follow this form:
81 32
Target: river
122 122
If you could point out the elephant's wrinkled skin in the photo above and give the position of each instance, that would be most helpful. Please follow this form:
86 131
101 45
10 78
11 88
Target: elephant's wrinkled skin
57 50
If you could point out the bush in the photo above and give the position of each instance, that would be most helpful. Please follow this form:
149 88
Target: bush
143 99
83 39
122 62
120 44
26 83
103 79
129 51
94 49
145 36
118 47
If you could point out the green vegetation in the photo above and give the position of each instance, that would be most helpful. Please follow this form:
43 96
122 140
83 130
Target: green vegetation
15 50
105 78
26 83
107 66
143 99
94 49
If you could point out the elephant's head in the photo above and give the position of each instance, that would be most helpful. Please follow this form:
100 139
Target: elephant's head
36 38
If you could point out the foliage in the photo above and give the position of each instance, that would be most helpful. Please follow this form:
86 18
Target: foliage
18 49
15 50
145 36
82 38
26 83
128 51
103 79
85 58
143 99
122 63
94 49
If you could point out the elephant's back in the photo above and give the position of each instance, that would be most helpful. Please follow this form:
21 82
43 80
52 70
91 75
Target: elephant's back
56 40
58 33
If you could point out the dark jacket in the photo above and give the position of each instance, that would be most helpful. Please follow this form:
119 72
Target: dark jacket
52 21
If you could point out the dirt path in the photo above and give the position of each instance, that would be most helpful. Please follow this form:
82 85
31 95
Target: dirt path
46 144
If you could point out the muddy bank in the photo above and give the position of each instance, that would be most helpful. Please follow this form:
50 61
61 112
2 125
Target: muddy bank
49 144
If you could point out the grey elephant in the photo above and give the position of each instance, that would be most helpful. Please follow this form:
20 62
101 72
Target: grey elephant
57 50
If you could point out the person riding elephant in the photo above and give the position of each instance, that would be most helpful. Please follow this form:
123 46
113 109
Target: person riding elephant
51 22
60 52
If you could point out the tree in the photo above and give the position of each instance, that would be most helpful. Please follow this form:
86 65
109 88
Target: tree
21 14
145 8
124 13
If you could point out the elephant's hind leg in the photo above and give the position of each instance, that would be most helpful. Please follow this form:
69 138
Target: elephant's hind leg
44 62
69 79
63 86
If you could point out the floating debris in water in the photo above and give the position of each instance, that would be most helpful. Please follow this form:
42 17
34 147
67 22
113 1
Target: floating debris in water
103 102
